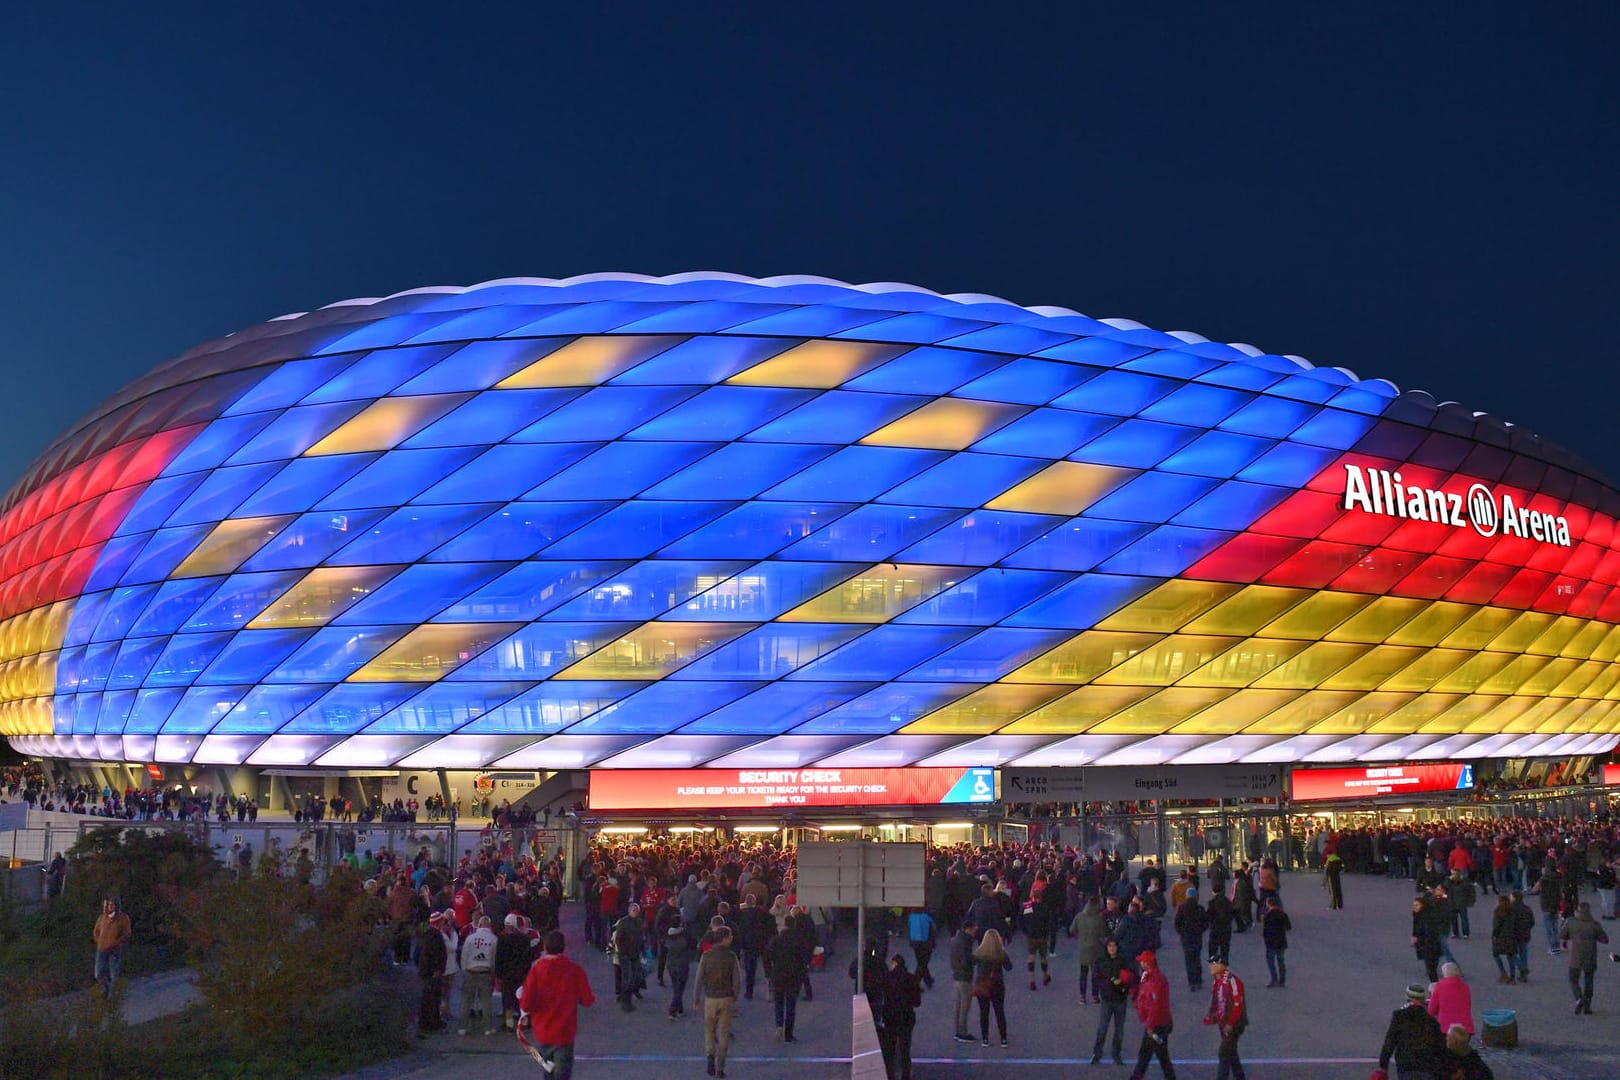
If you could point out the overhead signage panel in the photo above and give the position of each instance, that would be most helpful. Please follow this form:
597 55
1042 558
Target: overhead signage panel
730 789
1375 780
1110 783
1611 775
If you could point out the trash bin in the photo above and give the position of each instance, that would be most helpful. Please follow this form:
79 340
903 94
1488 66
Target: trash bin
1501 1029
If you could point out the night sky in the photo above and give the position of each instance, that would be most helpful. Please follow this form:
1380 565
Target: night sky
1430 196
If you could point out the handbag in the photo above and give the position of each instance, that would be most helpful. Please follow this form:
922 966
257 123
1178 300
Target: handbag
981 987
1378 1074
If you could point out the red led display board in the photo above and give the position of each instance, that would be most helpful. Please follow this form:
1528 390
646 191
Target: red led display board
693 790
1373 780
1611 775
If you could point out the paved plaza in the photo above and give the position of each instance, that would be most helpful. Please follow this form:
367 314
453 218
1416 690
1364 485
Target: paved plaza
1347 971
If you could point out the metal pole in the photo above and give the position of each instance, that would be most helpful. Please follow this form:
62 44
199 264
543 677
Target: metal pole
860 919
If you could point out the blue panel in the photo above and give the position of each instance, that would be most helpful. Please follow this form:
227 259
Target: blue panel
390 330
122 609
539 651
635 530
151 709
1308 387
184 658
856 473
398 476
304 480
919 327
771 651
871 534
620 470
312 538
816 321
115 558
1136 444
1179 365
491 417
1335 428
166 550
1166 552
1079 545
1098 351
775 708
884 653
288 383
336 652
838 416
1154 496
1289 465
175 602
648 589
1216 453
505 472
295 431
1240 374
965 480
1012 338
885 710
266 708
706 360
115 710
1268 417
605 412
1085 601
699 317
253 654
481 364
96 667
737 471
984 598
722 412
1361 401
1117 393
377 374
157 502
219 493
239 600
927 370
86 613
350 707
518 530
756 529
1197 405
550 707
979 539
218 441
1234 505
68 663
420 592
1027 382
662 707
989 656
528 591
485 322
764 591
200 709
444 707
1048 433
134 660
408 533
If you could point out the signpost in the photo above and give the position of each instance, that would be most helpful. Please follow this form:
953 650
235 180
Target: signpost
861 874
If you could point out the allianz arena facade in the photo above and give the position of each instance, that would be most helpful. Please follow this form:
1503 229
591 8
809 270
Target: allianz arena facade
703 520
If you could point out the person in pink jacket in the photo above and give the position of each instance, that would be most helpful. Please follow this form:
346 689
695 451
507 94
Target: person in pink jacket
1451 1001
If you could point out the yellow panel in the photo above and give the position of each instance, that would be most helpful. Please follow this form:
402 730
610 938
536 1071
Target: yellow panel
1421 674
1414 714
322 595
1432 624
386 423
1362 714
1303 713
1082 658
1543 681
1503 713
1583 644
1378 620
432 651
1567 718
1555 637
1312 667
1370 672
1169 606
1063 487
1610 648
1171 659
1518 672
1524 630
653 650
1459 718
1161 712
1312 619
1078 711
1480 628
1473 673
1603 686
1237 712
984 711
878 594
1245 662
1247 611
27 716
1580 680
587 361
230 545
817 364
945 424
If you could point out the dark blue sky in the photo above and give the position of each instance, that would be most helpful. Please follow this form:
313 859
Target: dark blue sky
1430 196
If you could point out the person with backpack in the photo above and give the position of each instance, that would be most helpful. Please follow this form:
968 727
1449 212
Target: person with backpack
1229 1015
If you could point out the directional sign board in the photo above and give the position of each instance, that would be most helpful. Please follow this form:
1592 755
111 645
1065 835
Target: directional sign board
861 874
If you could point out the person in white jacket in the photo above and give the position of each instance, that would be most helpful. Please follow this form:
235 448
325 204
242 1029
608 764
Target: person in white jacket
477 968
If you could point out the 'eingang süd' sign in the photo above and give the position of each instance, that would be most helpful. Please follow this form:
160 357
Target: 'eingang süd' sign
1386 493
1139 783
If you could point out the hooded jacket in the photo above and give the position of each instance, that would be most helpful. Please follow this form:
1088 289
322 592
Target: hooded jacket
1152 995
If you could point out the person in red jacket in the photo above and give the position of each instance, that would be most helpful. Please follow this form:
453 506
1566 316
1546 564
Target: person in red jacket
552 993
1153 1009
1229 1015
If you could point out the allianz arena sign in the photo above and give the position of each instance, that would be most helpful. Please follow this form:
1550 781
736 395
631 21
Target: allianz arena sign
1383 492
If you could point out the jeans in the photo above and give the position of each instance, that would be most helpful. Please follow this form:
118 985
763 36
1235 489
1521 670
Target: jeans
1583 995
1113 1014
1227 1064
964 1002
923 951
1459 922
1277 965
1549 923
1606 899
107 965
1155 1044
750 965
1524 961
677 988
786 1006
997 1001
561 1057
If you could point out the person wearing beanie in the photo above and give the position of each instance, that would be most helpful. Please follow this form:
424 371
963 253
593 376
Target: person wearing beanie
1191 922
1228 1014
1153 1009
1580 936
1413 1039
1112 977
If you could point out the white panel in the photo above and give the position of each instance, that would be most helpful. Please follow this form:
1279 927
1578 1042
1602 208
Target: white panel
292 749
139 747
372 750
1227 751
464 751
989 750
1075 750
1292 749
567 751
1354 748
1158 750
176 747
889 752
226 749
676 752
786 752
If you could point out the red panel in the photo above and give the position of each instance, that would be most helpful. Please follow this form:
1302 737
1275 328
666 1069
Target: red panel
1422 536
1377 571
1481 584
1364 783
1314 565
1583 561
1368 529
1588 601
1610 609
1467 544
1558 595
1304 514
1608 568
1431 580
1522 590
1244 558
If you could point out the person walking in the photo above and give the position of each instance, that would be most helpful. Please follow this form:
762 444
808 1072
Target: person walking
1153 1009
1550 887
1229 1015
990 961
551 996
921 931
1524 931
1333 878
1221 915
1191 922
902 993
786 963
1504 941
1426 937
477 969
1413 1039
1113 977
720 981
431 954
1090 932
1580 935
1451 1001
676 958
110 934
961 956
1461 1061
755 928
1274 927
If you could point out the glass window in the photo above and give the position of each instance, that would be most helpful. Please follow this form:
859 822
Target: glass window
620 470
771 651
1063 487
312 539
505 472
397 477
756 530
635 530
239 599
987 710
479 365
323 594
447 706
294 431
661 708
334 653
706 359
989 655
871 533
737 471
878 593
385 423
265 709
965 480
251 655
837 416
304 480
818 364
123 608
721 412
550 707
856 473
1028 381
1078 545
1118 393
430 652
653 650
775 708
1046 433
986 597
409 533
166 550
491 417
348 707
1268 418
185 657
648 590
378 373
151 708
421 592
134 660
230 544
763 591
606 412
528 591
517 530
928 370
286 385
587 361
1083 602
540 650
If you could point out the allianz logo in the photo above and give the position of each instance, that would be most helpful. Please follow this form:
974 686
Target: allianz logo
1382 492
